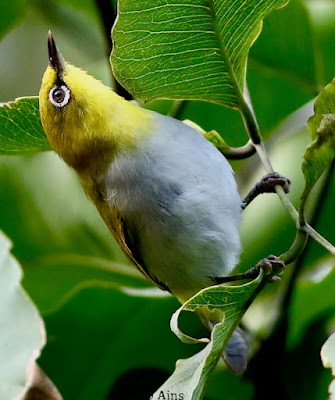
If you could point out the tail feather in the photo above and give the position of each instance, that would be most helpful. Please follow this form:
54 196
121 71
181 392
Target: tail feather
237 352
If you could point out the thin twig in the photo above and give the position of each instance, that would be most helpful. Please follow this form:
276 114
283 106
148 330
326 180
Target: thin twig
314 216
289 206
296 248
274 345
239 153
320 239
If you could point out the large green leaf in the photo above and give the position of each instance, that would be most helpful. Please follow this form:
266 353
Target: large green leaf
68 271
191 375
103 333
328 360
21 333
20 127
190 49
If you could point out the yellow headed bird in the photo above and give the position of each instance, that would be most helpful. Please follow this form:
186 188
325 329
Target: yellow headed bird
167 194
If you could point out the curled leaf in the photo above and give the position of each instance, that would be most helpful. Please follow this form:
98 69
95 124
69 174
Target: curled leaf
230 302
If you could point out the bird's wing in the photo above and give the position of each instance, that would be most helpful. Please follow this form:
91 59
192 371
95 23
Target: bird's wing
126 236
132 240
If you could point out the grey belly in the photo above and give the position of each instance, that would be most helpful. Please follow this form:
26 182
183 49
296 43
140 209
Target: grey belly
180 206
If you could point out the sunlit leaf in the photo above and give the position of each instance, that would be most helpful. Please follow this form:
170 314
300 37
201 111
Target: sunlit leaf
190 49
20 127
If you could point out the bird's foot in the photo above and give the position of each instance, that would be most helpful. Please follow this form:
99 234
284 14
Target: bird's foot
270 265
269 181
267 185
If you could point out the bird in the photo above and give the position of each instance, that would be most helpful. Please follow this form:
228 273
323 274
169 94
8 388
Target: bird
167 195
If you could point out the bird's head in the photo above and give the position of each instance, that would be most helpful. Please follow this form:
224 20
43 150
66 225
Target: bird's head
84 120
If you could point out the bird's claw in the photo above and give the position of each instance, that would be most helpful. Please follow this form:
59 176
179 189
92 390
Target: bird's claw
269 181
271 264
267 185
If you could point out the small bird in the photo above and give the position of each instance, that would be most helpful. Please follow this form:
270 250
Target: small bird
168 195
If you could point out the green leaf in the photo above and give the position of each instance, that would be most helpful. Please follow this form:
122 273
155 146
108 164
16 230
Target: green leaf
20 127
191 375
10 13
68 271
215 138
324 104
319 154
328 360
21 333
104 333
189 49
321 151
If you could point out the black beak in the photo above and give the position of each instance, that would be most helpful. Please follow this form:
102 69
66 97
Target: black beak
56 59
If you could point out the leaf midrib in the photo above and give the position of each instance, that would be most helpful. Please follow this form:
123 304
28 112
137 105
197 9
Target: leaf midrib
223 52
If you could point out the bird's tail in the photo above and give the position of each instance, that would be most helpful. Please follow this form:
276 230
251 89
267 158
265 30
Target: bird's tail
237 350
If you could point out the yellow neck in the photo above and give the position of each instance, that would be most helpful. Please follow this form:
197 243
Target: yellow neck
95 125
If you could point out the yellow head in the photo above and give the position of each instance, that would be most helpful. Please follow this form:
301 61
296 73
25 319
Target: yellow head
84 120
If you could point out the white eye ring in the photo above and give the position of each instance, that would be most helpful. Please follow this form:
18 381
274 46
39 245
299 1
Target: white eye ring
59 96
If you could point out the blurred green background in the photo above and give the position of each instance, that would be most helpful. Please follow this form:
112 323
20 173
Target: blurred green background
108 332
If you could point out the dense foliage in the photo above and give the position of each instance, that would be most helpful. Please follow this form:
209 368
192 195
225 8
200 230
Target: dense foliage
107 329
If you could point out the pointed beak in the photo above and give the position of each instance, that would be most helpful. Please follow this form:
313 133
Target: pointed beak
56 59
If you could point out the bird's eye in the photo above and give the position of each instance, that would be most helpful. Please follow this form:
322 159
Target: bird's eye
60 96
